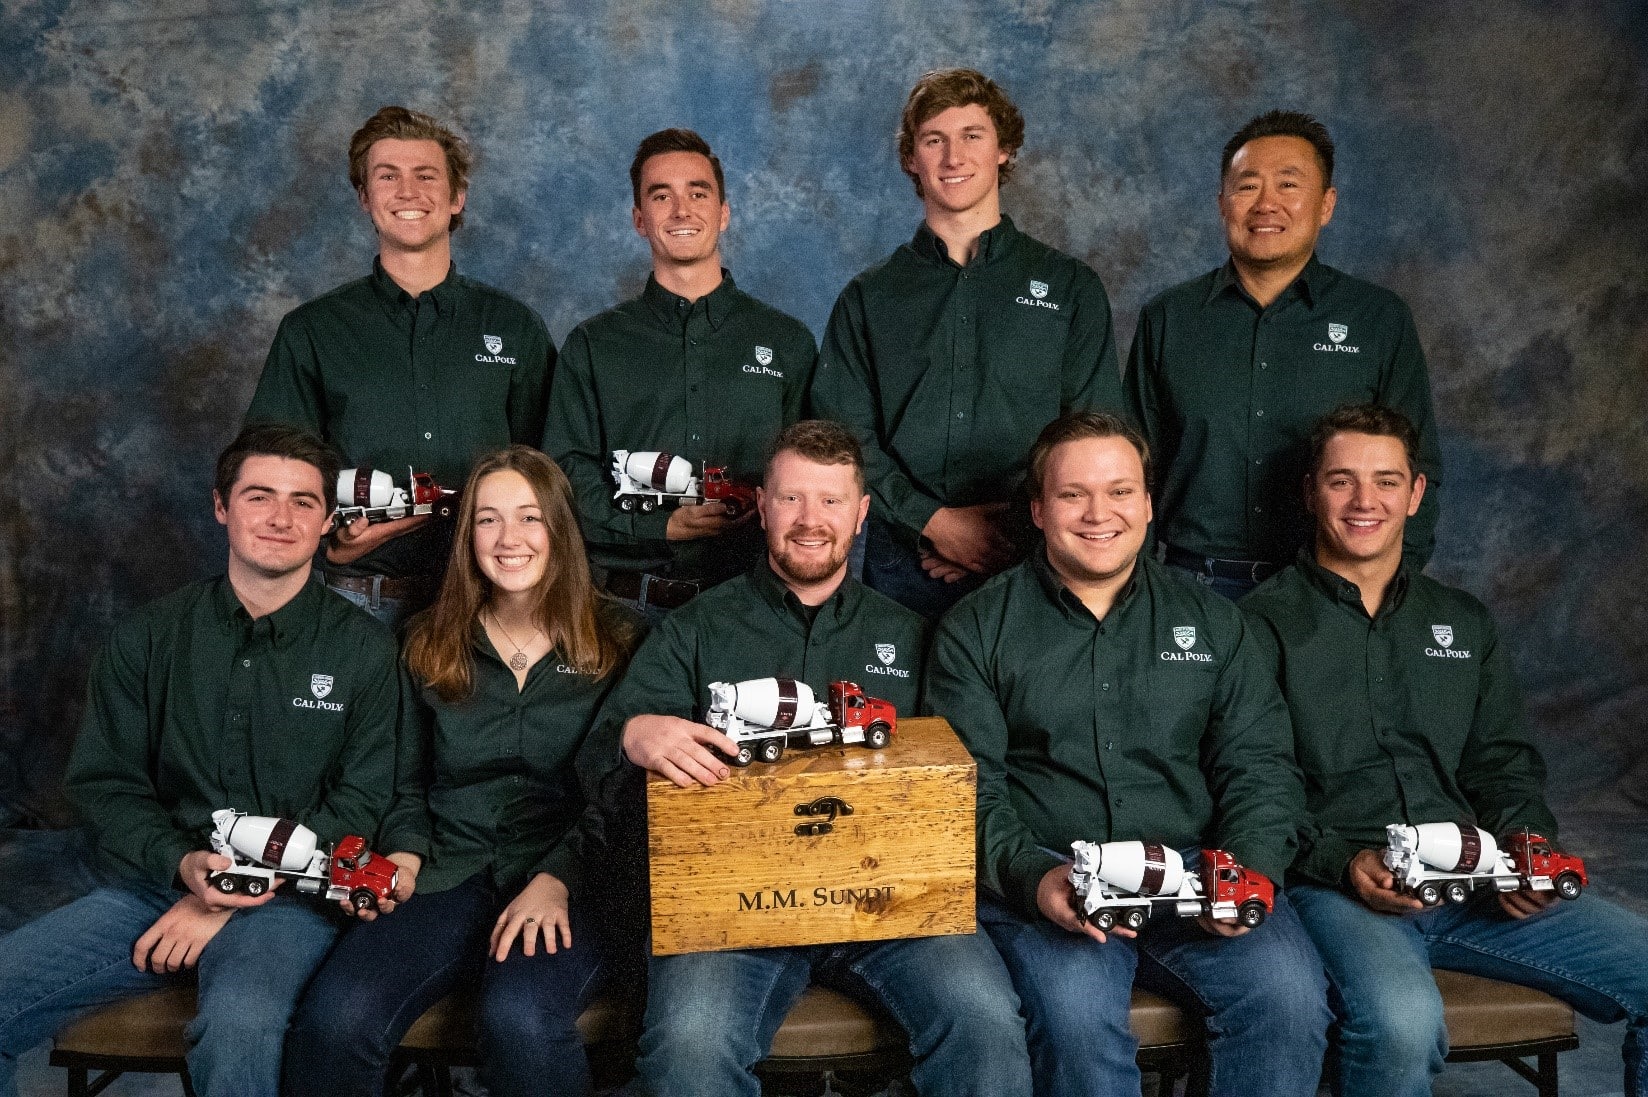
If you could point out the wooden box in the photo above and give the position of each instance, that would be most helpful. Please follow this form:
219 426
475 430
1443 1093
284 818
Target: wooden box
737 865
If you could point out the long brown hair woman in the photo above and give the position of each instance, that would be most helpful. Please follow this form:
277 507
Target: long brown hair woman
510 665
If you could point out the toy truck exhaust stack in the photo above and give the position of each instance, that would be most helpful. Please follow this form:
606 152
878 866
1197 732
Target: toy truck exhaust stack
374 495
1127 882
648 478
1447 861
264 849
764 715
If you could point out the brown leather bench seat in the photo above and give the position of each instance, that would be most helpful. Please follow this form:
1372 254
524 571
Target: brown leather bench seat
825 1033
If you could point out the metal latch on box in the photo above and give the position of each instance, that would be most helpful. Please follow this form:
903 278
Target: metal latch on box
827 806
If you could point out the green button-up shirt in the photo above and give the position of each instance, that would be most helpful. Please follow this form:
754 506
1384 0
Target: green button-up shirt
506 793
712 381
194 706
1160 722
1227 394
392 380
947 373
1410 716
754 627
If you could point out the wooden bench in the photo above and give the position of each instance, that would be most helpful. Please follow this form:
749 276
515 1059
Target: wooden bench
826 1036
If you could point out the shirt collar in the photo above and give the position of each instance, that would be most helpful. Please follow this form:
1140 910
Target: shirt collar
1308 284
1339 589
396 300
673 310
1061 596
783 601
284 625
993 243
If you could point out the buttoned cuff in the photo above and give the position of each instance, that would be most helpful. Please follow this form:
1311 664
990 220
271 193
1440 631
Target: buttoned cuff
1325 861
1027 871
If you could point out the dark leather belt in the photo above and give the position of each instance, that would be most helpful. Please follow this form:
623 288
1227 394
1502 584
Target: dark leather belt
652 590
417 586
1247 571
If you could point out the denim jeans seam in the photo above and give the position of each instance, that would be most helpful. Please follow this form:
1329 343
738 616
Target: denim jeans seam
1522 959
81 976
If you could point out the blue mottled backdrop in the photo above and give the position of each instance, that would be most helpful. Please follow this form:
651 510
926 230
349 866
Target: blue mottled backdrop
172 180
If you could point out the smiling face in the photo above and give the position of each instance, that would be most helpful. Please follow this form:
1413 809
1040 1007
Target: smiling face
957 160
275 516
511 542
681 215
811 512
1274 203
1093 510
1362 495
409 195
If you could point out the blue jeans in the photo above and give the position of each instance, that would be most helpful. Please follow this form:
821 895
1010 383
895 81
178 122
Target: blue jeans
394 612
711 1016
78 957
1233 589
1263 996
385 973
895 570
1590 953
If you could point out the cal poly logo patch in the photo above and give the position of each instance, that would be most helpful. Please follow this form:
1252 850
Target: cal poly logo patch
1443 634
1038 290
494 344
1337 332
1185 636
886 653
320 685
764 355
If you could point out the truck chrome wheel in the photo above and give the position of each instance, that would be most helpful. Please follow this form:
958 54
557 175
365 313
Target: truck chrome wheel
361 899
1429 894
744 757
1251 914
877 736
648 506
226 884
1568 886
1457 892
1134 918
626 503
1105 920
256 887
771 750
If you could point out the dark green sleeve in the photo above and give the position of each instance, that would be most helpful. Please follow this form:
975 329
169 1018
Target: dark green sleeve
1501 772
407 828
362 784
1250 764
529 387
108 774
1091 380
575 435
588 842
959 688
1143 401
290 390
844 389
1321 855
659 681
1408 390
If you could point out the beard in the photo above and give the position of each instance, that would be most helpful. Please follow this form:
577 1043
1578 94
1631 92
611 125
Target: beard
812 570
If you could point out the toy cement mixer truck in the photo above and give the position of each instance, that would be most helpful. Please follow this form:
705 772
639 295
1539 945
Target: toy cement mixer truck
1127 882
649 478
1448 861
374 495
764 715
264 849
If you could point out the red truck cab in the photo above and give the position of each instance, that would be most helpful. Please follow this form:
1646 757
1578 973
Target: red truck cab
849 708
1226 881
357 869
719 487
1533 856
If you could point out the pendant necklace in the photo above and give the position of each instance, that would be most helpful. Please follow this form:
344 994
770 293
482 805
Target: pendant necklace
517 662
